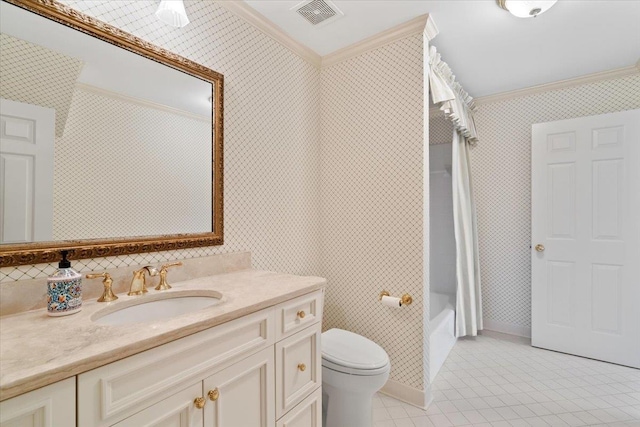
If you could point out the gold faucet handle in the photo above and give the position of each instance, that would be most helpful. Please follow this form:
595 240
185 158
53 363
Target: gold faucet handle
107 282
164 285
172 264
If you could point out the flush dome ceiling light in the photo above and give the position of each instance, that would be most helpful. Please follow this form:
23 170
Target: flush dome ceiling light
526 8
172 12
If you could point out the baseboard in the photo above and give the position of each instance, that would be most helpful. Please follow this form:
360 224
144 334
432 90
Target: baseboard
410 395
507 328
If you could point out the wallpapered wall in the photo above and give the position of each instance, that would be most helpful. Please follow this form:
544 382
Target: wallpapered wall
372 198
366 235
36 75
501 173
161 155
272 155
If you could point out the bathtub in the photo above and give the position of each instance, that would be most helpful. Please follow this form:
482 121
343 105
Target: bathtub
442 336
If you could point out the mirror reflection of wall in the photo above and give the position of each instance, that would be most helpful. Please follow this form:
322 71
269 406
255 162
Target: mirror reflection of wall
126 156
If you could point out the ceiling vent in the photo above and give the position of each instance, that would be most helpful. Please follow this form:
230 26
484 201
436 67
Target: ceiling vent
318 11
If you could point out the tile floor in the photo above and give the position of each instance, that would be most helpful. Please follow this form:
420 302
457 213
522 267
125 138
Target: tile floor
500 380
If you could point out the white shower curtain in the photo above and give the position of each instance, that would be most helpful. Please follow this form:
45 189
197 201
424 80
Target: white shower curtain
458 106
468 289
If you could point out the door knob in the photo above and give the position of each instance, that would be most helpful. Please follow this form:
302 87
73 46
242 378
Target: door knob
539 247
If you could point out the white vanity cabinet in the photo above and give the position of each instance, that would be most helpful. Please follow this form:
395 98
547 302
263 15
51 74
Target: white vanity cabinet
50 406
260 370
243 394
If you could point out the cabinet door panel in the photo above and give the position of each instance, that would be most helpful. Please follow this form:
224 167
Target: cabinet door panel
178 410
307 414
116 391
244 393
50 406
298 368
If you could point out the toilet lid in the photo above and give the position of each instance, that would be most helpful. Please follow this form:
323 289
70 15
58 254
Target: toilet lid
348 352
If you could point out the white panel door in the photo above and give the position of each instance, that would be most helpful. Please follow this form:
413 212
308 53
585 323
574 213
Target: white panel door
26 172
242 394
586 237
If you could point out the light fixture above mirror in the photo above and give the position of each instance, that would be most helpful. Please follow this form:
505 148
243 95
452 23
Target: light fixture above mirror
172 12
526 8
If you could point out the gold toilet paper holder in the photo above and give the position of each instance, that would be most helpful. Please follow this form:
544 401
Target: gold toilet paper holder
405 299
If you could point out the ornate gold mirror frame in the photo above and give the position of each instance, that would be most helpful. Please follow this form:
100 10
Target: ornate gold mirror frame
47 252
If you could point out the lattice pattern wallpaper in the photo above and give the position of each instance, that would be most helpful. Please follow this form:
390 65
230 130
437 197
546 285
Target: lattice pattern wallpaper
440 129
162 155
501 171
36 75
372 199
272 154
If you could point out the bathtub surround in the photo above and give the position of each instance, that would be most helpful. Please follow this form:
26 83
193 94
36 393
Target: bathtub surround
451 98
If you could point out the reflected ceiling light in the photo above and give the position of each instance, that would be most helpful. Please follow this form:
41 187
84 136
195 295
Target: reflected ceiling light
172 12
526 8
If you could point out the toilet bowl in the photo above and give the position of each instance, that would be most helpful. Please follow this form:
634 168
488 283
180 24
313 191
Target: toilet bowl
353 370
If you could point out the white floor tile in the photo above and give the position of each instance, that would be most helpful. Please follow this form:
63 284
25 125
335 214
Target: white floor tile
422 422
497 380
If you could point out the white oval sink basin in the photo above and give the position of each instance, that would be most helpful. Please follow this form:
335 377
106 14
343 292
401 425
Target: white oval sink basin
162 307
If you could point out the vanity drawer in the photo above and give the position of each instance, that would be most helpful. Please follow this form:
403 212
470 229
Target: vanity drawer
115 391
298 368
295 315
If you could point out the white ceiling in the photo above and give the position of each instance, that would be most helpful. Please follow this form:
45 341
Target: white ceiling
490 50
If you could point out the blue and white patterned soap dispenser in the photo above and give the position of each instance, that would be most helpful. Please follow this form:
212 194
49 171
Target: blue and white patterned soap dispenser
64 289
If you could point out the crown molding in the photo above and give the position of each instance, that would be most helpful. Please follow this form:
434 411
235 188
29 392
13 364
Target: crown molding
561 84
430 29
258 20
141 102
422 24
415 26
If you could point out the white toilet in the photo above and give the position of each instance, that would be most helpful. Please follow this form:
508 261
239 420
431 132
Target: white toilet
353 370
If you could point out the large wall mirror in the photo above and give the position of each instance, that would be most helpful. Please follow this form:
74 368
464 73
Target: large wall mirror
108 145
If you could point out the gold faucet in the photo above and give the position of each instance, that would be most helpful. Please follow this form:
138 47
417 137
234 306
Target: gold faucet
107 294
163 285
138 283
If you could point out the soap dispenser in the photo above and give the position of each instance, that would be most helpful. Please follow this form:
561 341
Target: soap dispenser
64 289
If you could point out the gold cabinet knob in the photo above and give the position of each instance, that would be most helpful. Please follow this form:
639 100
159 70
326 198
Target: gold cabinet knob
302 367
301 314
199 402
213 394
539 247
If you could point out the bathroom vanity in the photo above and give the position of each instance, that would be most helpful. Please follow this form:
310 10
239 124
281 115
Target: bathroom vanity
251 359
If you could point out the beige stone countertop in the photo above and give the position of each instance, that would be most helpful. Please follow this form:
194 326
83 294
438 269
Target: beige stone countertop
37 350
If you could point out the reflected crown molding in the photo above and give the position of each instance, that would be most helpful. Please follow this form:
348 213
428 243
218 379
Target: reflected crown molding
141 102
